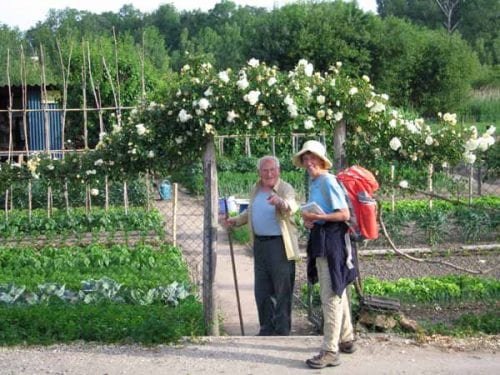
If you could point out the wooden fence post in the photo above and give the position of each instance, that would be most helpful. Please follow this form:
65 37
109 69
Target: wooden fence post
429 182
339 137
210 238
393 190
174 215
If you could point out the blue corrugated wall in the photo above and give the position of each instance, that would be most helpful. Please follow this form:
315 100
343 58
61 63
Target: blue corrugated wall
37 123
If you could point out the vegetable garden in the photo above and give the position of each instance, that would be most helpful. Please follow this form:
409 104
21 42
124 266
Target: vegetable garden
69 287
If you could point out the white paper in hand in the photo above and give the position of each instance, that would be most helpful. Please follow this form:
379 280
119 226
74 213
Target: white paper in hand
312 207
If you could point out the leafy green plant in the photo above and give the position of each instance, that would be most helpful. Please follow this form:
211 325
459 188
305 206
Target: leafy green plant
103 322
426 290
77 221
473 223
433 222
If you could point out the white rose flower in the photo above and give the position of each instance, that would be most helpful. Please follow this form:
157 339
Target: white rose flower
491 130
208 92
94 192
204 104
366 78
223 76
288 100
485 142
320 99
395 143
471 144
378 107
184 116
429 140
231 116
253 62
353 91
141 129
412 127
469 157
338 116
308 70
242 83
98 162
292 110
252 97
308 124
403 184
320 114
393 123
50 167
209 129
179 140
271 81
450 118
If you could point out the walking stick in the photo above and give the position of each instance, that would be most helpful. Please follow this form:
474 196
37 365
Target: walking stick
230 240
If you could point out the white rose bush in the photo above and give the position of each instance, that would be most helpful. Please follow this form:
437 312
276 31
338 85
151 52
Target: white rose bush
260 100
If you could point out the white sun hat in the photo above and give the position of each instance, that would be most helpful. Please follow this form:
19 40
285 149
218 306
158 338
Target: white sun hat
314 147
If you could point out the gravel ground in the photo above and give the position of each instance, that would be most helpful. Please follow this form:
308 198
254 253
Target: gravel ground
376 354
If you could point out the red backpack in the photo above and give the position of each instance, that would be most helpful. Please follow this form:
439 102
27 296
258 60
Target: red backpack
359 185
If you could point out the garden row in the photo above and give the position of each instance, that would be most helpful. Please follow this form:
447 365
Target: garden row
113 292
476 298
96 293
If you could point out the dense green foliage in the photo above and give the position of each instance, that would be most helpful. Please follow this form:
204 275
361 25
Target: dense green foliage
476 21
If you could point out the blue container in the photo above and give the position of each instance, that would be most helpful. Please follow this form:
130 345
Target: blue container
165 190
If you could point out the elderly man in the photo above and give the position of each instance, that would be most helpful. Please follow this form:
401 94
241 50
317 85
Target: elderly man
270 218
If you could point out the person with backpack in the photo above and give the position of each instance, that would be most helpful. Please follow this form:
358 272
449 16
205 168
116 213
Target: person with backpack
328 258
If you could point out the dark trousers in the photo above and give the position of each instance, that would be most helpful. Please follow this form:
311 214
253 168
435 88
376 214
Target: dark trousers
274 281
